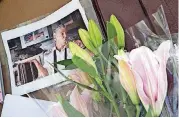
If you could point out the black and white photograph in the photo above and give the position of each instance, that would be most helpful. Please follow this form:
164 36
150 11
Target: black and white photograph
32 54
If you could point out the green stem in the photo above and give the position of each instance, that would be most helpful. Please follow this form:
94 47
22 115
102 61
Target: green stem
111 109
113 100
128 112
104 58
109 90
102 66
137 110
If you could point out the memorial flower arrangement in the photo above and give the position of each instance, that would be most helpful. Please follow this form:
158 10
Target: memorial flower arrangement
107 76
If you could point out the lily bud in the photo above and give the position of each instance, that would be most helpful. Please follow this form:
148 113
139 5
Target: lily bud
95 34
120 41
127 77
83 54
84 35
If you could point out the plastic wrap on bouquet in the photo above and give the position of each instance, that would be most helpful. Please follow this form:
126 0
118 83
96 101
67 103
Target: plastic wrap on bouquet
153 34
143 79
78 98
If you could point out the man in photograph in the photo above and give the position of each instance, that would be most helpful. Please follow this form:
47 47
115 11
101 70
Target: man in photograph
58 53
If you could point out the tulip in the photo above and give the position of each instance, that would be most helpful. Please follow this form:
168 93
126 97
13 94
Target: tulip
81 102
150 74
127 77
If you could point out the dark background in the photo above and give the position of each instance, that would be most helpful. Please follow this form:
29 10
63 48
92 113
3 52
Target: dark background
129 12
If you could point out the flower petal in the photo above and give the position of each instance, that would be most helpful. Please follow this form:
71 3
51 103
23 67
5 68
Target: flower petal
86 95
126 77
140 90
145 64
80 76
78 102
163 51
56 110
163 55
162 89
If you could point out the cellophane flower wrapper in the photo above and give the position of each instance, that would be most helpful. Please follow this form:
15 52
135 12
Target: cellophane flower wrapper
152 34
144 33
52 106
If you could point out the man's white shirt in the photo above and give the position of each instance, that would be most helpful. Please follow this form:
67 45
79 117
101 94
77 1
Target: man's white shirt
60 55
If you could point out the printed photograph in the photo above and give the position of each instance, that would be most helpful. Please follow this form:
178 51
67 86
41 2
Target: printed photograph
32 53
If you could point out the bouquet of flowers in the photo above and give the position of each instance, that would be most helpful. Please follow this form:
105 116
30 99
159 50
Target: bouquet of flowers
108 79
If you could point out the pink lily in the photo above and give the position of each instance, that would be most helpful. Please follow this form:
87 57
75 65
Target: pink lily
150 74
80 102
57 110
81 77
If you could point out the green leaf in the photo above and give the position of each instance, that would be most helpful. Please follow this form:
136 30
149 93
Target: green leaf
70 67
65 62
111 31
84 66
120 32
95 34
98 66
68 63
106 49
69 109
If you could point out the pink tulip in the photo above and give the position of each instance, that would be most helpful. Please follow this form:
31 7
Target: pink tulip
150 74
80 102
